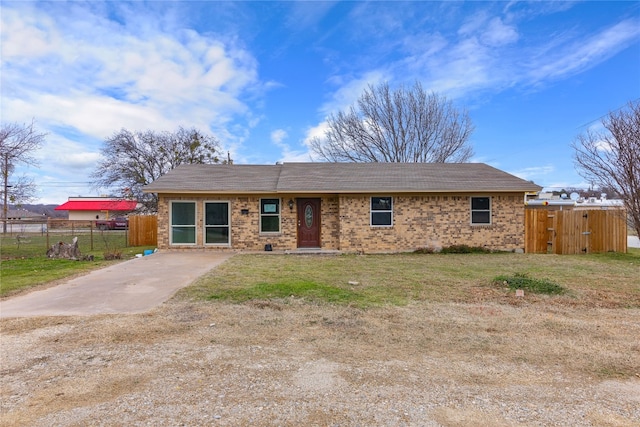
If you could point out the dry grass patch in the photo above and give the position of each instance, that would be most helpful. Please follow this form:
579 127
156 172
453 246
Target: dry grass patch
454 306
420 340
609 280
295 363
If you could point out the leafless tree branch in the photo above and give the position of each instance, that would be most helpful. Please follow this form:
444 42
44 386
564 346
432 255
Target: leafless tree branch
611 158
403 125
131 160
17 145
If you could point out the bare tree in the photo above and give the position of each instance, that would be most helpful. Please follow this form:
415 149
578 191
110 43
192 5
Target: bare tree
402 125
611 158
131 160
17 144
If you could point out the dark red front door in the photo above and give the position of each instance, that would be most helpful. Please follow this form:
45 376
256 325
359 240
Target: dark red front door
308 223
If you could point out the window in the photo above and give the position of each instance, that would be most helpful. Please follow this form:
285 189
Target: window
270 215
381 211
480 210
216 223
183 223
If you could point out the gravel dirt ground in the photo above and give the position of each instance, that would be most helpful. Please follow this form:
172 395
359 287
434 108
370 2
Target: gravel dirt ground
291 363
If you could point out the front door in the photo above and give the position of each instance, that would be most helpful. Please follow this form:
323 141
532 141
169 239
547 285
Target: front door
308 223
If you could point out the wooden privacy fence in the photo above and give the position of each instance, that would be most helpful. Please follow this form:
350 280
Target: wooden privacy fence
143 230
575 231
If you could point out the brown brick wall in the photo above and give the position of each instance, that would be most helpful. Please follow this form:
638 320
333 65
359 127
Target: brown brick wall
431 221
330 231
245 233
418 222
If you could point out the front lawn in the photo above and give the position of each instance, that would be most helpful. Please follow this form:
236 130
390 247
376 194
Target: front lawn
33 268
607 280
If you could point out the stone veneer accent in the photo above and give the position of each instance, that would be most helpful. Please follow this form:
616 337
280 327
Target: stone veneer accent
419 221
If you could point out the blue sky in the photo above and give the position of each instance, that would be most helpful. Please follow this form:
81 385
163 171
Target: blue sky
263 76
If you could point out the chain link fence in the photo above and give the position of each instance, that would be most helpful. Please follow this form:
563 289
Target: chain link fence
34 237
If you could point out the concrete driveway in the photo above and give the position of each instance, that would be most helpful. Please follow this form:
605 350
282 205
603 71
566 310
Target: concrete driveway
132 286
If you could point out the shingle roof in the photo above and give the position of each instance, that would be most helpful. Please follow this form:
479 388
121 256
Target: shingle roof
339 178
218 178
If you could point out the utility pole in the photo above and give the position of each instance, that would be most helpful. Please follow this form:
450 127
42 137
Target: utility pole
5 177
17 142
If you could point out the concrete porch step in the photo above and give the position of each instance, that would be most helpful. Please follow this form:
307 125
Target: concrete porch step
312 251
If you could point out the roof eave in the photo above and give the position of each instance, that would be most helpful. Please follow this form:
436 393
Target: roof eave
344 191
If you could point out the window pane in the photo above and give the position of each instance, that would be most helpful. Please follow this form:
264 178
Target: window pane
217 235
381 218
183 213
381 203
217 214
183 235
480 203
481 217
270 206
270 224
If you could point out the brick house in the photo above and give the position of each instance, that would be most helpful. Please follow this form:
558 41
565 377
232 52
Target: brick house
348 207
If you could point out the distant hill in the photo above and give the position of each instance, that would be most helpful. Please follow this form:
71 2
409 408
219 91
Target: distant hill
48 210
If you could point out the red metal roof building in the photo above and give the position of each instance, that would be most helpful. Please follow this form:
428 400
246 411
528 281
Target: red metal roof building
91 208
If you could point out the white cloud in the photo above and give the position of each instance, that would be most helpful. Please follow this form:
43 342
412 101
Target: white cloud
287 153
464 67
82 160
317 131
604 145
350 90
92 115
498 33
305 16
278 135
26 37
295 156
99 79
534 173
564 184
580 54
473 23
86 70
491 52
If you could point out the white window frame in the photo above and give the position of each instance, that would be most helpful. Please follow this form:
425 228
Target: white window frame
480 210
372 211
205 225
195 224
278 214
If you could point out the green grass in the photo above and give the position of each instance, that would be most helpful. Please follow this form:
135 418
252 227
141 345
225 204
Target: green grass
399 279
22 272
314 280
411 278
524 282
285 289
36 244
